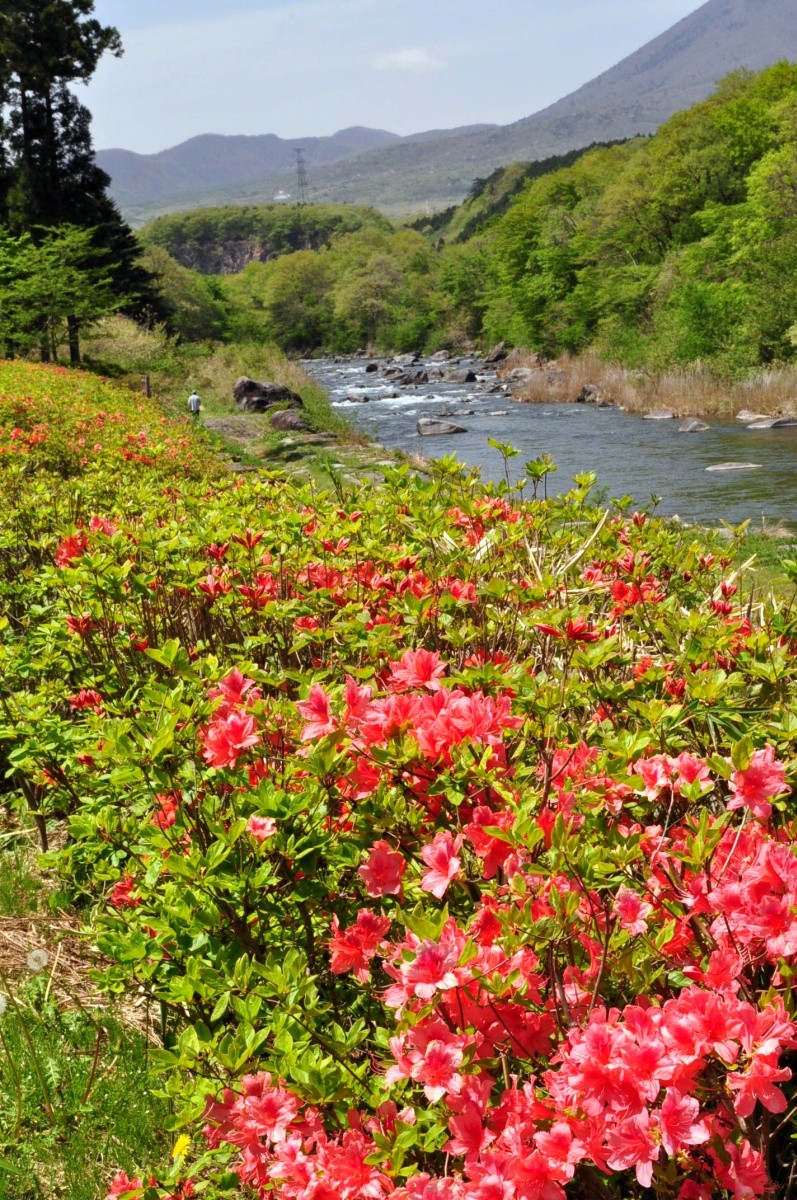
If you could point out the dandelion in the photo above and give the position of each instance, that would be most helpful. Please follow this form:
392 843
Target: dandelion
37 960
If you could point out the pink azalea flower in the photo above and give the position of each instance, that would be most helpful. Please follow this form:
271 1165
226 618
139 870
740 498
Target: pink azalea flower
315 710
233 688
754 787
262 828
383 871
440 858
631 910
758 1083
418 669
436 1069
227 737
125 1188
631 1144
679 1124
351 949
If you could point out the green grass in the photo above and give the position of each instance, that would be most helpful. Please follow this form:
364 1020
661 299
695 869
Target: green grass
76 1100
91 1074
775 563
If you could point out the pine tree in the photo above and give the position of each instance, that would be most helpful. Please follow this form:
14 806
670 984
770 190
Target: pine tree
48 174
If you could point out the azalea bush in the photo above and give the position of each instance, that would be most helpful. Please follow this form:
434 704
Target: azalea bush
449 828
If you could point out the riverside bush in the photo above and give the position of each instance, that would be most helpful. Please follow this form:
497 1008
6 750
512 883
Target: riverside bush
450 827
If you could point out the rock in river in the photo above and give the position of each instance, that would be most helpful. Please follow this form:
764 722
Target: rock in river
661 414
735 466
774 423
429 427
692 425
464 375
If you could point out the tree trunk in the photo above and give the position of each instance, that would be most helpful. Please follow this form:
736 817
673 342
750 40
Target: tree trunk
73 326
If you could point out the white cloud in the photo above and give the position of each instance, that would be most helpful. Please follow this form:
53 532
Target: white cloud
415 59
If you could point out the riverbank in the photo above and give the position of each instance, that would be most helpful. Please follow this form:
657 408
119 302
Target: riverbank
691 391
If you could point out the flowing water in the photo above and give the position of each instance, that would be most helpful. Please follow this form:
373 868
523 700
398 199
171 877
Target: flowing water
632 456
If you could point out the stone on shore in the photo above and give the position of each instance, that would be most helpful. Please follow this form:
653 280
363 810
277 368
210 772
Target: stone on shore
251 396
288 420
496 354
520 375
429 427
747 416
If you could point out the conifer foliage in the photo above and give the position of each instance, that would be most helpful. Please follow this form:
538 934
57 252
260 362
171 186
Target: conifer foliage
48 176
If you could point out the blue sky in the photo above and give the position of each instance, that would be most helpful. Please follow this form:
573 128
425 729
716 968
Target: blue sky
308 67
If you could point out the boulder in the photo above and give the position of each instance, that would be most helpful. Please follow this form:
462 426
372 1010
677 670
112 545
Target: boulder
393 373
747 416
288 420
441 356
251 396
429 427
371 368
589 394
774 423
412 378
520 376
405 360
358 398
463 375
661 414
692 425
496 354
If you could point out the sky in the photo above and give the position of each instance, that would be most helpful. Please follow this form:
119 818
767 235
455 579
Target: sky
302 68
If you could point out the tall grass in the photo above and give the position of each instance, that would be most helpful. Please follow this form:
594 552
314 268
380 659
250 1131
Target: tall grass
687 391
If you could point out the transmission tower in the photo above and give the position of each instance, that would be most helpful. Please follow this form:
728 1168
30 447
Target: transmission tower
302 190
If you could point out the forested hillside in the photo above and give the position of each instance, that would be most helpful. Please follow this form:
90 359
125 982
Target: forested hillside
676 248
222 241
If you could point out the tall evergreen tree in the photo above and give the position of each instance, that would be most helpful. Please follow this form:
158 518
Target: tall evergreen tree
48 174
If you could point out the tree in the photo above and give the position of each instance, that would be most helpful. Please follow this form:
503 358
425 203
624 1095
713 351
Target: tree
48 175
49 284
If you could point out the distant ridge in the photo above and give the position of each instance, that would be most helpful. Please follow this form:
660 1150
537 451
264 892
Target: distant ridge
671 72
196 169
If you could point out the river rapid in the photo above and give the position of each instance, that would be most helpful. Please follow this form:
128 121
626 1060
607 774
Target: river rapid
632 456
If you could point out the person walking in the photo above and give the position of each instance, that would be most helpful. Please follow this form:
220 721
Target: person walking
194 403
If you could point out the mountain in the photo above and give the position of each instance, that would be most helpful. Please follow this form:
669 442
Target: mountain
211 165
671 72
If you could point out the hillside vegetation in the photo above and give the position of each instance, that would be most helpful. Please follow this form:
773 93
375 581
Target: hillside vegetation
221 241
674 249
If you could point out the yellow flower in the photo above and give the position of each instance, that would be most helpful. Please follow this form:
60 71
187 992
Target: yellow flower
181 1145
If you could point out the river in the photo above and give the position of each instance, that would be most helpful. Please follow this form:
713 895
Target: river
632 456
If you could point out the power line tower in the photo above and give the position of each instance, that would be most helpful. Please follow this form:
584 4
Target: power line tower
302 189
